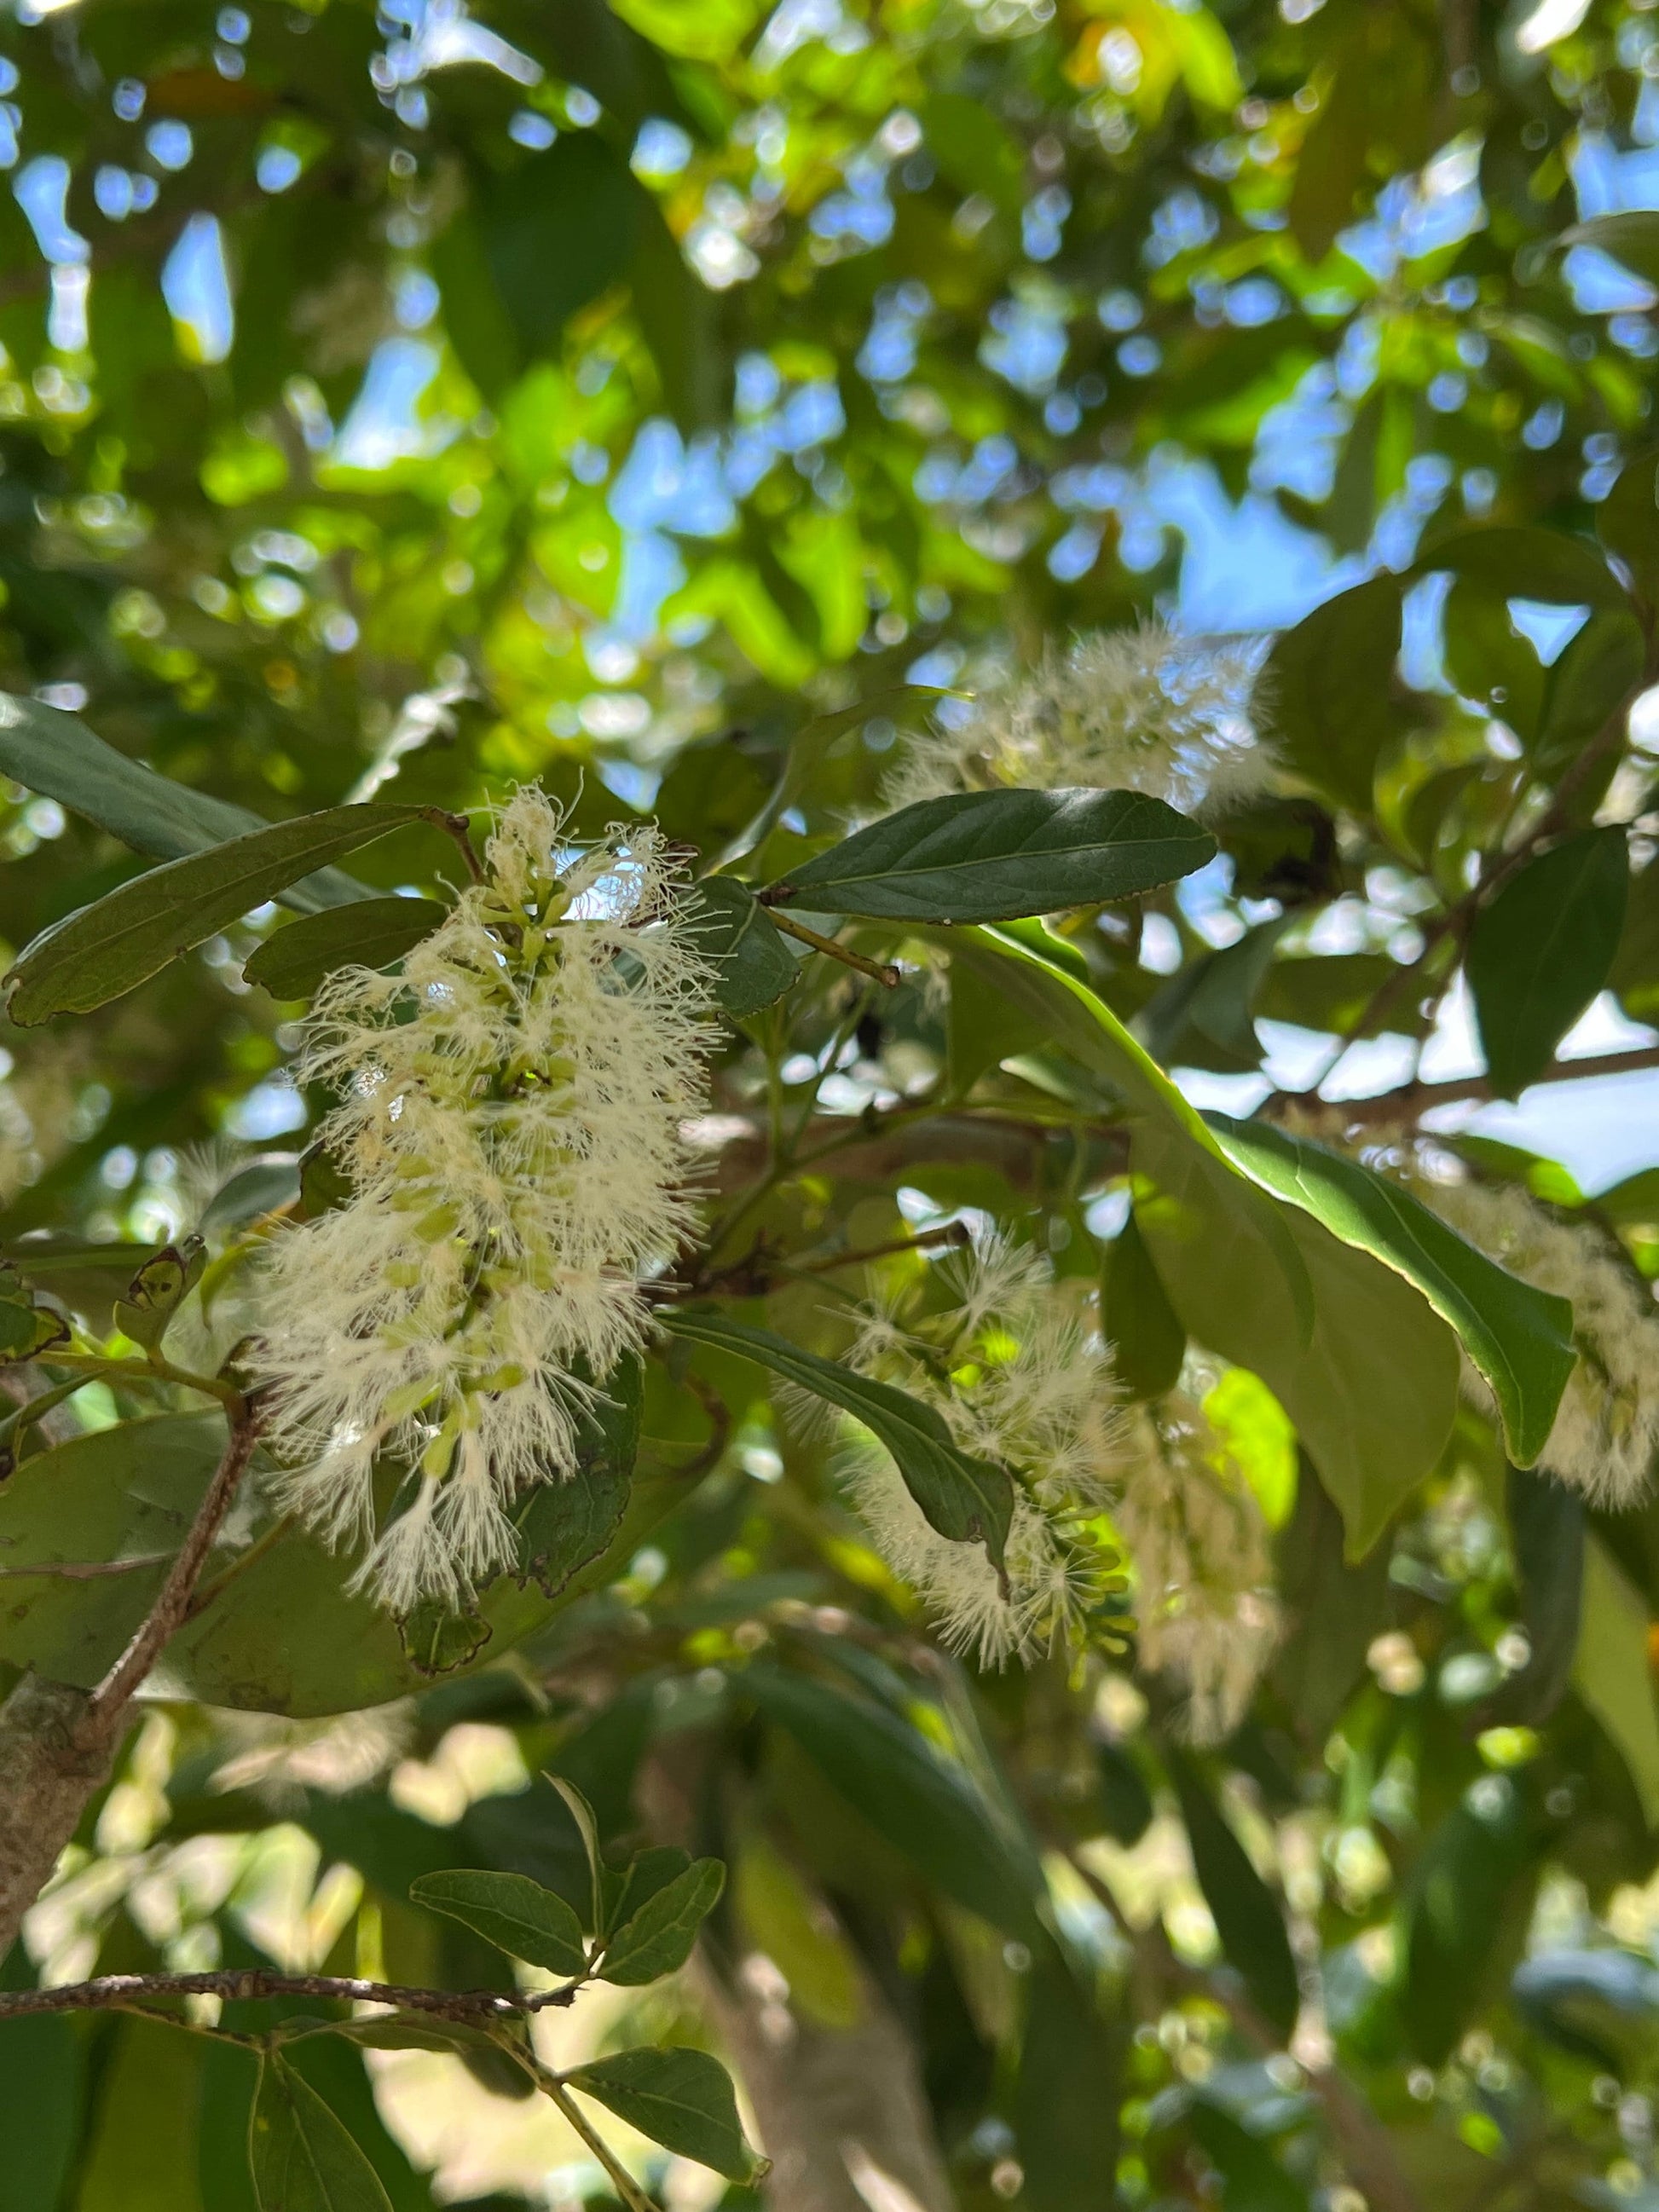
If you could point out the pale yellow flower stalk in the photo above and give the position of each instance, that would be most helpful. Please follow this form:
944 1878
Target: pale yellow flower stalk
510 1122
1148 709
1204 1594
1022 1379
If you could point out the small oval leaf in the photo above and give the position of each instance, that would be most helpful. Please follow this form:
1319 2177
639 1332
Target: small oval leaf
515 1914
682 2099
299 2153
753 964
659 1937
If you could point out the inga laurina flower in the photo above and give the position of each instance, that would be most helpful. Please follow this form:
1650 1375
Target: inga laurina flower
509 1120
1151 709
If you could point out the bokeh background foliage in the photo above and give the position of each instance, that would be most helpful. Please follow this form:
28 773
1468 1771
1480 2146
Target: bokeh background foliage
668 400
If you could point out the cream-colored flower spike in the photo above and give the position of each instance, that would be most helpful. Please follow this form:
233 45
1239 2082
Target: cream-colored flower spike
1203 1573
1148 709
1030 1388
510 1123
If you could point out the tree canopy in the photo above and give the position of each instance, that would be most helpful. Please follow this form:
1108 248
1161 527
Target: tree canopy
776 788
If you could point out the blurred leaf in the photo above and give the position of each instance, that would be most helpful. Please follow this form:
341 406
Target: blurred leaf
86 1532
511 1911
1126 1801
1246 1915
1611 1671
1631 237
1201 1018
1334 1609
1066 2099
682 2099
968 1500
925 1807
140 2151
56 755
302 2158
556 228
106 950
987 855
783 1919
1253 2180
1543 948
1526 564
1520 1338
371 934
1546 1532
1147 1339
753 964
1327 687
904 703
1459 1916
656 1938
973 149
1627 519
42 2089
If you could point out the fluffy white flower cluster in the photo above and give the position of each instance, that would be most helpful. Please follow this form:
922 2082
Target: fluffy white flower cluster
510 1124
1020 1378
1607 1431
1204 1591
1147 710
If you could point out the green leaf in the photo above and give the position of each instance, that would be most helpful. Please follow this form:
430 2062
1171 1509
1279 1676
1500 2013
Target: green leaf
1202 1016
1631 237
1525 564
682 2099
753 965
1067 2096
557 227
659 1937
1520 1338
807 750
1360 1362
515 1914
140 2151
588 1829
968 1500
1627 520
42 2089
106 949
371 934
302 2157
1327 687
158 1289
1546 1536
925 1806
1247 1916
973 149
1542 949
86 1532
57 756
1143 1328
1465 1912
990 855
1334 1609
1611 1671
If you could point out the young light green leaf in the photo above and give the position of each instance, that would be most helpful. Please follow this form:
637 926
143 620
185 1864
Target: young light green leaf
515 1914
991 855
968 1500
753 964
1247 1916
301 2156
1520 1338
57 756
370 933
1542 949
107 948
682 2099
659 1937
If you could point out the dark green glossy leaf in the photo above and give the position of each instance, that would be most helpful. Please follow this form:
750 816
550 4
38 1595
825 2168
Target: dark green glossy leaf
1527 564
1246 1915
682 2099
753 964
56 755
1520 1338
925 1806
1328 689
968 1500
656 1938
302 2158
515 1914
1143 1328
1542 949
371 934
990 855
107 949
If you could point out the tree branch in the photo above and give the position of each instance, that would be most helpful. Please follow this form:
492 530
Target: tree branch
122 1992
1412 1099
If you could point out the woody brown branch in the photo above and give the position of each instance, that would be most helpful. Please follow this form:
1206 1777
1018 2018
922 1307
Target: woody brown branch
122 1992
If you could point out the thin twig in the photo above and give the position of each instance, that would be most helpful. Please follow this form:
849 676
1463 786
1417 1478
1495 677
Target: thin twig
84 1570
121 1992
879 971
458 827
1411 1100
172 1606
552 2085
